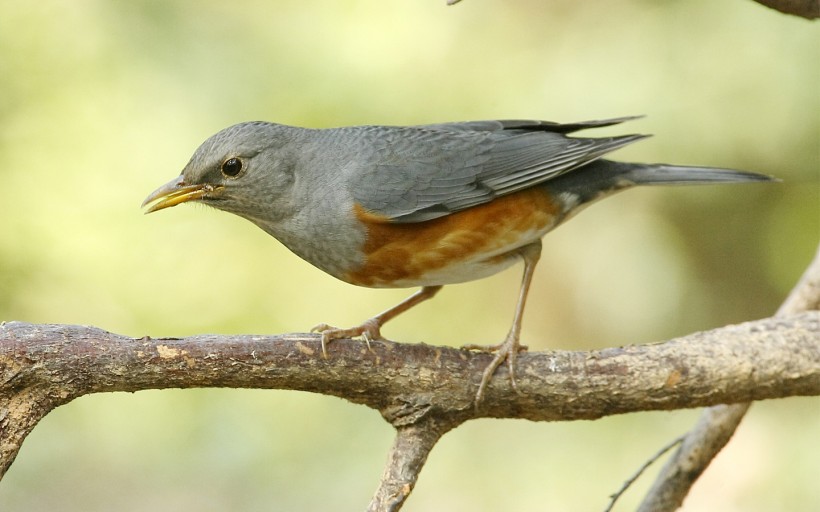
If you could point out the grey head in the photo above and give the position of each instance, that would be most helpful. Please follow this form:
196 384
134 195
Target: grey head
245 169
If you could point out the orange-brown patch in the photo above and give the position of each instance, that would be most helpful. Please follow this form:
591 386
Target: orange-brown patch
673 378
396 252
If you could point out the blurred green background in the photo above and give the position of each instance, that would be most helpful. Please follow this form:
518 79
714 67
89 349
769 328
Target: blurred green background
101 102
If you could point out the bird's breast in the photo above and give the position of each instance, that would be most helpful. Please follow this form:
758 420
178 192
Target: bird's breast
463 246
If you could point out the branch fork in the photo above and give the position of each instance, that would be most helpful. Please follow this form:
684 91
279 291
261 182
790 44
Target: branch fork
425 391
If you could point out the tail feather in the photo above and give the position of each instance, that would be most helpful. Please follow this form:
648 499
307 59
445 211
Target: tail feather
604 177
663 174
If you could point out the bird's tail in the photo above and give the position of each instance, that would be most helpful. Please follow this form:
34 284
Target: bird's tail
663 174
604 177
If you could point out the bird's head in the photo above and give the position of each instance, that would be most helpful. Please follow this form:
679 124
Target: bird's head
242 169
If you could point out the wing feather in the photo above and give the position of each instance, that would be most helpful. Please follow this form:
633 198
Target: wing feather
418 173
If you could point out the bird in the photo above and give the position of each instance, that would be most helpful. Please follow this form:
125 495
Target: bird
418 206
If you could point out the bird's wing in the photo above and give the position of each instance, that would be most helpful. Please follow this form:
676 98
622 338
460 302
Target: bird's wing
414 174
526 125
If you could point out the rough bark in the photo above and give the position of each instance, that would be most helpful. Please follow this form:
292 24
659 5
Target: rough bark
44 366
425 391
717 424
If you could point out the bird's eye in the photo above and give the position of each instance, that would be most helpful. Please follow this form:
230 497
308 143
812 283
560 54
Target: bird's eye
232 167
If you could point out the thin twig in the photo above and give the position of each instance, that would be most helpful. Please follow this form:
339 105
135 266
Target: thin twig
631 480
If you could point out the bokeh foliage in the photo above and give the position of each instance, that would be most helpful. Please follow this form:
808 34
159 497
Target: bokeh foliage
100 102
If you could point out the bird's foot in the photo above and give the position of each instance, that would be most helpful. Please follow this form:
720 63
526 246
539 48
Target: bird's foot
507 350
369 330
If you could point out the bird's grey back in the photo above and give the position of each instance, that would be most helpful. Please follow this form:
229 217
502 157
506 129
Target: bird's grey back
417 173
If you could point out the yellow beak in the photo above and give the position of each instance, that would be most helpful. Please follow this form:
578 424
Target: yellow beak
176 192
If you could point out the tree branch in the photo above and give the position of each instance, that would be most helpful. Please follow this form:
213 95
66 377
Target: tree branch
425 391
407 456
44 366
700 446
809 9
717 424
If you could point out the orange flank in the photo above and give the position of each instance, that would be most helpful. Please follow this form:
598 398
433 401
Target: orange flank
441 250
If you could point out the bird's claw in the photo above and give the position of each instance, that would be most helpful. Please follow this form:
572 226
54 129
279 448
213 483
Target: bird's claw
507 350
369 330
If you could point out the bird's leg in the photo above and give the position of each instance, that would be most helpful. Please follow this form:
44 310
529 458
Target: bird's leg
371 329
509 348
